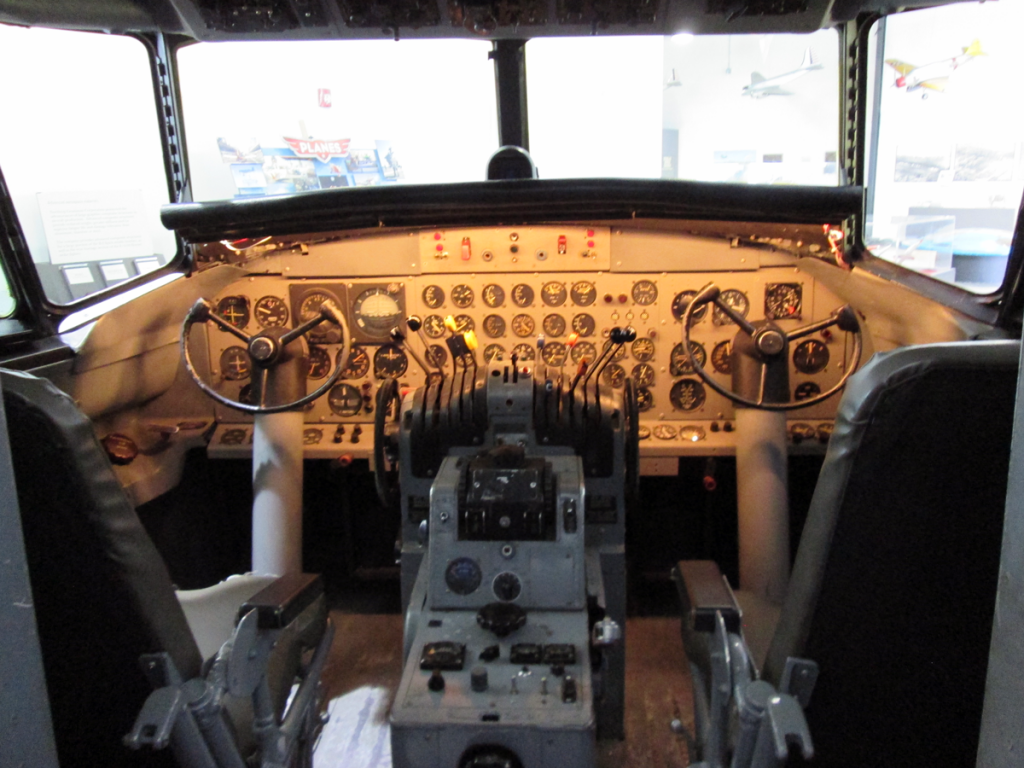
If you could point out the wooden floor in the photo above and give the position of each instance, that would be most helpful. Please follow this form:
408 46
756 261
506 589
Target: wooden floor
365 667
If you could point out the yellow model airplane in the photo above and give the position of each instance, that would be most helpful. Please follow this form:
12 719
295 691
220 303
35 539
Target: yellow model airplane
934 76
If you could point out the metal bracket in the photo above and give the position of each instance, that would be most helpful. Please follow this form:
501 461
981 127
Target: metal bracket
798 679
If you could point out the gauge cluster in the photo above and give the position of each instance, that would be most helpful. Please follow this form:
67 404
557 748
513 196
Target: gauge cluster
542 316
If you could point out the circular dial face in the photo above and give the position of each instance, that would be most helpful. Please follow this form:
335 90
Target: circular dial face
782 301
234 309
554 325
584 350
433 296
491 351
554 294
344 400
358 364
318 364
437 355
389 362
583 293
507 586
463 576
687 395
523 325
692 434
234 364
679 365
643 349
733 299
682 301
433 326
643 374
665 432
614 375
462 296
312 436
376 312
309 309
619 354
645 292
554 353
721 357
464 323
644 399
493 295
271 312
522 295
494 326
806 390
524 352
810 356
584 324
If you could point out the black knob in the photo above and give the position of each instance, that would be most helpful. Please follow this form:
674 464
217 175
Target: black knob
501 618
436 681
617 335
629 333
414 323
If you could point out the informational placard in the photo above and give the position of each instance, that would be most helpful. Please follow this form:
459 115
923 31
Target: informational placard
94 226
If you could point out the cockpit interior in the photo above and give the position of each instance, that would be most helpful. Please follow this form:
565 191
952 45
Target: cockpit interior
510 384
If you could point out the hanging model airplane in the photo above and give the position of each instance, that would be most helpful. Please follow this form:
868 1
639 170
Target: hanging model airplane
761 86
934 76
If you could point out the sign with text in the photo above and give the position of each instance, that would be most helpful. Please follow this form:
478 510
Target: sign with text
94 226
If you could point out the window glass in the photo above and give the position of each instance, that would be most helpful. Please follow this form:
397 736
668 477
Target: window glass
81 153
264 118
738 108
946 160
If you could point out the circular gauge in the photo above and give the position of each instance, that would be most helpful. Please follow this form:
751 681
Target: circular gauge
806 390
682 301
584 350
810 356
506 586
494 326
554 325
309 309
584 325
643 375
554 294
463 576
358 364
524 352
234 364
645 292
782 301
318 364
665 432
619 354
583 293
389 362
433 326
614 376
376 312
692 434
679 365
721 357
437 355
493 295
801 432
312 436
643 349
433 296
687 395
643 432
245 395
522 295
344 400
464 323
523 325
554 353
271 312
462 296
644 399
736 300
492 351
234 309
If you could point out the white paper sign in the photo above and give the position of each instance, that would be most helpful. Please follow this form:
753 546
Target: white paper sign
90 226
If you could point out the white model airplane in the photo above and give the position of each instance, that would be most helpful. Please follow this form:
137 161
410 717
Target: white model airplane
934 76
761 86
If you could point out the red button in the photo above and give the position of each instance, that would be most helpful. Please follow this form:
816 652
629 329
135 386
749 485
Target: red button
440 247
437 235
623 298
590 233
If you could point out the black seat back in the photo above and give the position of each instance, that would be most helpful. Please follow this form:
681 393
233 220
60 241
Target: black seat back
894 584
101 592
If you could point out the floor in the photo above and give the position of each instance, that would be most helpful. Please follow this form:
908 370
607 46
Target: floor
365 667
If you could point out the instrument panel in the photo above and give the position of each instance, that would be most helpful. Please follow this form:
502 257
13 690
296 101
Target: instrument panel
551 302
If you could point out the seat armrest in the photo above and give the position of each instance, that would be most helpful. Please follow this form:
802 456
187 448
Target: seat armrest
703 591
281 602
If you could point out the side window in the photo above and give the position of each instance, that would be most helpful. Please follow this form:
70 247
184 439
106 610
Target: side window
81 153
